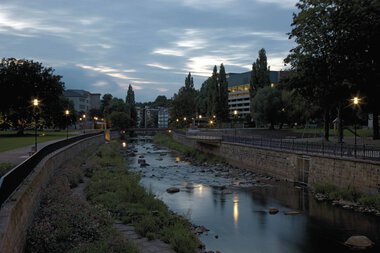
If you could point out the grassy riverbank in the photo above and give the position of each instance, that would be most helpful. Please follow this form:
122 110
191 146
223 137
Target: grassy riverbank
118 191
334 193
65 222
167 141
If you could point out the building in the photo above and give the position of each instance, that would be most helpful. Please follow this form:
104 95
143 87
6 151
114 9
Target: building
238 91
83 100
147 117
163 118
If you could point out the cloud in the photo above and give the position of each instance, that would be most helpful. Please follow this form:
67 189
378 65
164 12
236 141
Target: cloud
100 83
162 89
281 3
166 51
158 65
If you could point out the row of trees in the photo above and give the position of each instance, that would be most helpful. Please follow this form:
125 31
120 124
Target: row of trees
337 56
118 113
22 81
210 101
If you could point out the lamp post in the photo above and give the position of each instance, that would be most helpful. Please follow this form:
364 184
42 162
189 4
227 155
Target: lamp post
67 113
84 123
35 106
356 103
235 119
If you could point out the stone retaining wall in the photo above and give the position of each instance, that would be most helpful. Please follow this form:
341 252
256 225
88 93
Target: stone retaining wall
363 176
17 213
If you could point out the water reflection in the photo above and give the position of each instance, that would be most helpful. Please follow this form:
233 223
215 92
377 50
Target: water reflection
240 216
236 209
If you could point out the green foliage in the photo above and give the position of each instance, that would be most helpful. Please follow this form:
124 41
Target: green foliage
5 167
267 105
373 201
131 105
120 120
333 192
64 223
184 105
22 81
112 187
167 141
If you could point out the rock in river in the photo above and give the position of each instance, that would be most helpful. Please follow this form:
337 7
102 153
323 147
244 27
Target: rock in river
172 190
273 210
359 242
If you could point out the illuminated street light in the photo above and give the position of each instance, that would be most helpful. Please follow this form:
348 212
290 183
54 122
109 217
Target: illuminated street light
84 123
35 107
356 104
67 113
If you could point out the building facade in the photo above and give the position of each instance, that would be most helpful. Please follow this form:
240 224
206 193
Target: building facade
238 91
163 118
83 100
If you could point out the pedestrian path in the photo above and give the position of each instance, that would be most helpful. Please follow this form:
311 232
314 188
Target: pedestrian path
17 156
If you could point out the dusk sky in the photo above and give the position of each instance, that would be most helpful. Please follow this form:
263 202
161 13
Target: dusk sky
103 46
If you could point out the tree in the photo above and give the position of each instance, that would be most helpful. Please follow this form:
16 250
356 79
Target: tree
21 82
259 76
161 101
119 120
222 107
131 105
267 106
184 105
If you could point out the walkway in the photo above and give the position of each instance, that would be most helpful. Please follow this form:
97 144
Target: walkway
17 156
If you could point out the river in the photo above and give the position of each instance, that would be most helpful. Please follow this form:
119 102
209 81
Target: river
233 204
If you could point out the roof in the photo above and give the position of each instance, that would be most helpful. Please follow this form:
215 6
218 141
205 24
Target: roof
76 93
236 79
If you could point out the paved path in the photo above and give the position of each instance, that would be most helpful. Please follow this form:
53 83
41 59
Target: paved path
17 156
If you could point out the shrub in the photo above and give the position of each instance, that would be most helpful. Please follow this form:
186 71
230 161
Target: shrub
5 167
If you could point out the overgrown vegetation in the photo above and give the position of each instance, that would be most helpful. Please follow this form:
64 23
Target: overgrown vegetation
167 141
348 193
65 223
118 191
5 167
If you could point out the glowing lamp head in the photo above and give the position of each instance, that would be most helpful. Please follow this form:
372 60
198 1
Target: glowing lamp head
356 100
35 102
67 112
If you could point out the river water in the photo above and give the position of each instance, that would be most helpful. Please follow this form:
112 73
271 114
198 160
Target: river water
237 217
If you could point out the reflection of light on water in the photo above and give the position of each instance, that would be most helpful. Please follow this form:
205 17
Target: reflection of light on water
177 159
200 190
236 209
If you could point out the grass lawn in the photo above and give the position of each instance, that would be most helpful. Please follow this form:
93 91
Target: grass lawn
9 140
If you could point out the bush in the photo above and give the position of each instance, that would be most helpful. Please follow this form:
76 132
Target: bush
372 201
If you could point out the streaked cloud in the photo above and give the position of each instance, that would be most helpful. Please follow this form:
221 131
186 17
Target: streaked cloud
158 65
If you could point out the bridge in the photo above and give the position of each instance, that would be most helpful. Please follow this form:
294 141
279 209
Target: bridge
147 131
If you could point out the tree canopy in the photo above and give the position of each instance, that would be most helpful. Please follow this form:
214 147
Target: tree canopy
22 81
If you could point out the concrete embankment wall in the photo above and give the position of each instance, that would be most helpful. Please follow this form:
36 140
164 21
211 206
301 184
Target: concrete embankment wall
361 175
17 213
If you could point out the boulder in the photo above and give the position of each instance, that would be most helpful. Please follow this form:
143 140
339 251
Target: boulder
273 210
359 242
173 190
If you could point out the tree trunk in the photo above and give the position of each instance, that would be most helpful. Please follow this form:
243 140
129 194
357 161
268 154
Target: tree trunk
327 124
376 134
340 124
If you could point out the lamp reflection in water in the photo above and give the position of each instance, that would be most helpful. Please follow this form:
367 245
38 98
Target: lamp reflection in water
236 209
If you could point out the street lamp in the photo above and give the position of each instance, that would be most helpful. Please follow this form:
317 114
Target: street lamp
235 119
84 123
355 103
35 106
67 113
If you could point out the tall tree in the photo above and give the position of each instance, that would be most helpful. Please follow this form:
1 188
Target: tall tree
320 67
222 111
259 76
184 105
22 81
131 105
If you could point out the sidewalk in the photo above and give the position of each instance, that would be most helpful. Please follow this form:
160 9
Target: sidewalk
17 156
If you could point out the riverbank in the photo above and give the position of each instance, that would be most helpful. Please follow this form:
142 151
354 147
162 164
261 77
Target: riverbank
65 222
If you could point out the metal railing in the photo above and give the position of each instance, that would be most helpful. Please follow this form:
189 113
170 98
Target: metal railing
13 178
365 152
